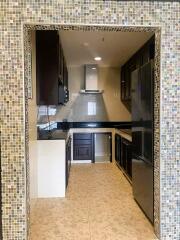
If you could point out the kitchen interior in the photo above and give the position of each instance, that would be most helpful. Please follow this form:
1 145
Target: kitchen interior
91 109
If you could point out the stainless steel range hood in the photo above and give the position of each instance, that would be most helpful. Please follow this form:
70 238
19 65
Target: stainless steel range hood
91 80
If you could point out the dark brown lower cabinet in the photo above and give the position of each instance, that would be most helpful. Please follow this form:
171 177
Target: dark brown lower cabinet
83 146
123 154
118 148
68 160
126 157
82 152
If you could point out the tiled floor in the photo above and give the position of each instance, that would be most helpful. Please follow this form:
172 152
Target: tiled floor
99 206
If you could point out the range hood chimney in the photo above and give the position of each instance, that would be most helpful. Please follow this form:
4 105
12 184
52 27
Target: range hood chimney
91 79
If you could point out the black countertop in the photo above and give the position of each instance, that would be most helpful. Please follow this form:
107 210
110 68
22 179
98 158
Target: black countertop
59 130
52 135
93 124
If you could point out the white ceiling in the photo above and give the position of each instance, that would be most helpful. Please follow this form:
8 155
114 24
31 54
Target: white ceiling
115 48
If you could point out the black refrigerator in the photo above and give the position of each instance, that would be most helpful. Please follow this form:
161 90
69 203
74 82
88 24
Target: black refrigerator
142 137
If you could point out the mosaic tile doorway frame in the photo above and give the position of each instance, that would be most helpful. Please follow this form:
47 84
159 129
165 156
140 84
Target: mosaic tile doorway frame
28 28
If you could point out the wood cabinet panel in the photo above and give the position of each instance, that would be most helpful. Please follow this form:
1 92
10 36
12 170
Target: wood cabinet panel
118 148
123 154
47 67
68 159
51 69
83 146
83 152
82 136
126 157
144 55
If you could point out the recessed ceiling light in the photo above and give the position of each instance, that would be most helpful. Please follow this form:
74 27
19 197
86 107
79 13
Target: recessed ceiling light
93 68
97 58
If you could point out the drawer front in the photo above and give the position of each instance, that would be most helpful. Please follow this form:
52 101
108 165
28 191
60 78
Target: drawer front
83 152
82 136
82 142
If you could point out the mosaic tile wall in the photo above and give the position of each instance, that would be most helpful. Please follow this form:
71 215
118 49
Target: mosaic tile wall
14 14
27 73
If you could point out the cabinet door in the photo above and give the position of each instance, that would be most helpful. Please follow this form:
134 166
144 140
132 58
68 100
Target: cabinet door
118 148
83 146
131 68
65 75
126 157
145 54
123 154
60 67
123 83
68 159
152 50
127 82
126 71
129 160
83 152
47 50
67 170
82 136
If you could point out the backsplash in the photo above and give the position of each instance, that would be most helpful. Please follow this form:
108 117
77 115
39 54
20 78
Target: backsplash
84 108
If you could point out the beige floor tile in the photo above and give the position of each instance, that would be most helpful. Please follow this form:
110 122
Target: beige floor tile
99 205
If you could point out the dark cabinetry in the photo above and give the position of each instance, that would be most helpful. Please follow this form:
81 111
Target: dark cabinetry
126 157
63 77
144 55
68 159
123 154
118 148
51 69
47 67
83 146
126 71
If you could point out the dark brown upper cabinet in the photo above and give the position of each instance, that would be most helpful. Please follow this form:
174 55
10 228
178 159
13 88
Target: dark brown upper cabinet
50 64
65 75
47 51
61 63
142 56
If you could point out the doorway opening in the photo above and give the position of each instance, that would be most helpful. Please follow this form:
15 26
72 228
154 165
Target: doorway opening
77 112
